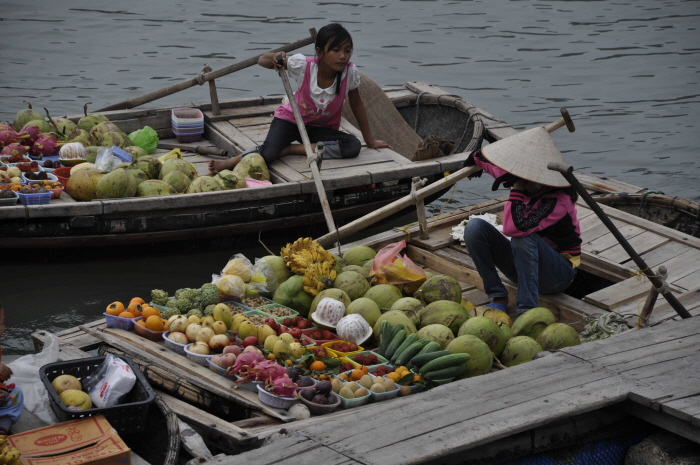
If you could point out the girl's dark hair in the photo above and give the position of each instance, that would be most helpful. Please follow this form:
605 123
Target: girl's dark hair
331 36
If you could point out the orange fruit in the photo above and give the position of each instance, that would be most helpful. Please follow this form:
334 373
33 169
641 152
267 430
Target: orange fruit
344 376
137 300
147 312
271 356
154 323
356 374
142 323
135 308
126 315
115 308
289 363
317 366
394 375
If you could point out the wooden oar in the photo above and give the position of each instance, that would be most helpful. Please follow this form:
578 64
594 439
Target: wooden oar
309 154
658 282
217 73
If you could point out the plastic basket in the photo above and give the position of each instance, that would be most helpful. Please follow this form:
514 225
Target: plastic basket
172 345
356 402
291 312
127 417
186 115
241 308
216 368
408 390
256 313
119 322
62 174
155 336
185 138
309 331
327 345
8 202
382 396
251 386
197 358
272 400
382 360
49 177
264 299
35 199
320 409
180 126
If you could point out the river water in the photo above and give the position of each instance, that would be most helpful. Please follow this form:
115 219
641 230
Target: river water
627 71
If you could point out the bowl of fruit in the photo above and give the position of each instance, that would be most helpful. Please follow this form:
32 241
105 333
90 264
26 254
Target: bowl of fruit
320 399
342 348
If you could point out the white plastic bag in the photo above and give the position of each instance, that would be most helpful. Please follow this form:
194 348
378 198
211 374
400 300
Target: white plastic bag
106 160
239 265
113 380
25 374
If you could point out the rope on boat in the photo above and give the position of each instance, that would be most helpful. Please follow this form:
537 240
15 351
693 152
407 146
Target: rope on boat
437 217
603 327
200 77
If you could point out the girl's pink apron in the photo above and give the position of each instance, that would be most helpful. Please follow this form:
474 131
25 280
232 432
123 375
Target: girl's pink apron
310 114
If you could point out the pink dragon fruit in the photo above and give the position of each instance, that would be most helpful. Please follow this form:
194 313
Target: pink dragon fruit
15 148
33 132
282 386
244 364
8 136
46 144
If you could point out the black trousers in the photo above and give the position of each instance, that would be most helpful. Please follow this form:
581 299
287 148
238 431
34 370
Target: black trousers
283 133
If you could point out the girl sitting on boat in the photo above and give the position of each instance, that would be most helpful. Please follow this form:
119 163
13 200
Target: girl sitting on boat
543 246
324 82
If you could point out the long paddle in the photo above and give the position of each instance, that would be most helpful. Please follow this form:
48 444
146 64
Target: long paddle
659 283
309 153
217 73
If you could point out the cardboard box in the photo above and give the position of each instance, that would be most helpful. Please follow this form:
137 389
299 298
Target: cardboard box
90 440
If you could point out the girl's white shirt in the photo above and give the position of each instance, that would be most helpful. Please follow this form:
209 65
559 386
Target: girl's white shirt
296 67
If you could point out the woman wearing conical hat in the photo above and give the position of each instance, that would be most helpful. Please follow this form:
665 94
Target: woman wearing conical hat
540 246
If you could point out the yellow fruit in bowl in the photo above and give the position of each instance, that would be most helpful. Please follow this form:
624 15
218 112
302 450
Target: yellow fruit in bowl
65 382
74 399
378 388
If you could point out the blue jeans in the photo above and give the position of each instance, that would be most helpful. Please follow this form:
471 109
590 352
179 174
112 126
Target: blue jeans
528 261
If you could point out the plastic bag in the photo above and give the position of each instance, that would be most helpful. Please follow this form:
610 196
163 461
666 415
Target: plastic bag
271 281
146 138
113 380
239 265
25 375
390 267
230 286
107 160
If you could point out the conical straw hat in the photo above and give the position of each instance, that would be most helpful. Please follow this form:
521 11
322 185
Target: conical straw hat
526 155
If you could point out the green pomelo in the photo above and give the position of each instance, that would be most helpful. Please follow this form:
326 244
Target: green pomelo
438 333
82 183
87 122
492 314
506 330
138 175
384 295
444 312
410 306
557 336
135 151
103 128
279 267
154 187
358 255
115 138
365 307
439 287
178 180
91 153
337 294
149 165
116 184
394 317
353 283
480 355
533 322
252 166
82 136
358 269
44 126
368 264
339 264
204 184
487 331
22 117
291 294
65 125
519 349
177 164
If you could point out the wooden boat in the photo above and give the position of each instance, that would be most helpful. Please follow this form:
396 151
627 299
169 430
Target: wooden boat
645 376
353 186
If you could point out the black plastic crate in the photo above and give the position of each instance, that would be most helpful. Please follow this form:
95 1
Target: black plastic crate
127 417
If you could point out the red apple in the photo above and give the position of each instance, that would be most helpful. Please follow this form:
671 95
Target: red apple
227 360
287 321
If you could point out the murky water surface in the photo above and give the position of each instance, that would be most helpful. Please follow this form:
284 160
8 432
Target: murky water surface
627 71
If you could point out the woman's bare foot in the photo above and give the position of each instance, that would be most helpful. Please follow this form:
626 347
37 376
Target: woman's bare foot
219 165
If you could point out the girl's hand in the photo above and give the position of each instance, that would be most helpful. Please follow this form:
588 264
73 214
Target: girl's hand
5 372
378 144
279 60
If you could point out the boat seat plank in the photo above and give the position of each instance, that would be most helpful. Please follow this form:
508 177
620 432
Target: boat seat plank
664 253
439 238
242 112
689 281
619 293
296 449
254 121
366 159
234 134
663 311
607 240
667 353
641 243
